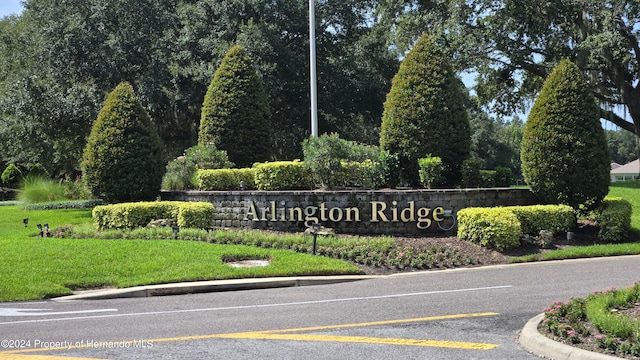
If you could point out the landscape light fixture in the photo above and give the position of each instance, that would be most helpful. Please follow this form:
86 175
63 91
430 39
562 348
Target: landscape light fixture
242 186
40 228
314 230
46 230
25 221
176 230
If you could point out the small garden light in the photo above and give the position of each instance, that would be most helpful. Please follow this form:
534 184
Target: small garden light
176 230
46 230
25 221
40 228
314 230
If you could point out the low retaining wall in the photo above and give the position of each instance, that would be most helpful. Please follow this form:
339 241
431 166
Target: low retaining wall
408 212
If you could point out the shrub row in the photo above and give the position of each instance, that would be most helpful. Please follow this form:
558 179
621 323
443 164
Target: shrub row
65 204
282 175
502 227
139 214
289 175
555 218
225 179
473 176
497 228
614 219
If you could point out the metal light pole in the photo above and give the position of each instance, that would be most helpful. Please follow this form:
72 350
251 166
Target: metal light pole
312 52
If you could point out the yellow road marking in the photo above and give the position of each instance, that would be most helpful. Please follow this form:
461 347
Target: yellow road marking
282 335
384 322
361 339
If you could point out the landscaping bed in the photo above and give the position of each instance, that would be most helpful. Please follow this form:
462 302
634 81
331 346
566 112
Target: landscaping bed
584 235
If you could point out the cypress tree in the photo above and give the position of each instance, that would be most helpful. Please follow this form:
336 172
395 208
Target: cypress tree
424 114
235 111
565 158
123 160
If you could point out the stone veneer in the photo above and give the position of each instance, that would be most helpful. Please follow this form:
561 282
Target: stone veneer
235 209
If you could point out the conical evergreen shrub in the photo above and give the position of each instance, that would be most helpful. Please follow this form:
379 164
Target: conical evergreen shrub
424 114
235 111
565 158
123 160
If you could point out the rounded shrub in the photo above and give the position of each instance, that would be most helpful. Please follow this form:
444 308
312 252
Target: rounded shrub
38 170
235 111
565 158
123 159
424 114
12 176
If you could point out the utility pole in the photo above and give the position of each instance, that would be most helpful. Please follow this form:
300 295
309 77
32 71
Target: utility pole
312 53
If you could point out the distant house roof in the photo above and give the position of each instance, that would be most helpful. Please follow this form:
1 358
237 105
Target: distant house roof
630 168
615 165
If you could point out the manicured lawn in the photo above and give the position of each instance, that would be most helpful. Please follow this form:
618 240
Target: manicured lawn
629 191
33 268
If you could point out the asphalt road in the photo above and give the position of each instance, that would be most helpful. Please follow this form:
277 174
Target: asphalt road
456 314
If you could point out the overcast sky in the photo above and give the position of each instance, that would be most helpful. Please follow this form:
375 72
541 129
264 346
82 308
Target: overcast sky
8 7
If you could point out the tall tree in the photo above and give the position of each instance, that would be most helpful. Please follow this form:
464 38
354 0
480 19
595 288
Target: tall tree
424 114
514 45
564 154
354 65
123 158
235 112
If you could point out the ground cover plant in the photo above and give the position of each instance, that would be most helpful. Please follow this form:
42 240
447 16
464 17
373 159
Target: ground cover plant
605 321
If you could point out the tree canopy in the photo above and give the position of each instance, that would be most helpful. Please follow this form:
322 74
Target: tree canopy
513 45
60 58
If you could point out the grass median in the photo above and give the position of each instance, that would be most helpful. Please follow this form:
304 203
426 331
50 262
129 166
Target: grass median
33 267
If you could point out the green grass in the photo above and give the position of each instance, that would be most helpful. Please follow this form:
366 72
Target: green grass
35 268
629 191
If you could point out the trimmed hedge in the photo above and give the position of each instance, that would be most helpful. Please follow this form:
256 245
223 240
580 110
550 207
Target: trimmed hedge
66 204
430 170
502 227
614 219
497 227
367 174
225 179
139 214
283 175
554 218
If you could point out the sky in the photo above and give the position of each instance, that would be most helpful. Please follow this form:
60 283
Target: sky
9 7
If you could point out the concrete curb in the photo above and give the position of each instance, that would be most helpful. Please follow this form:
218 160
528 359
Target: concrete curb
541 345
210 286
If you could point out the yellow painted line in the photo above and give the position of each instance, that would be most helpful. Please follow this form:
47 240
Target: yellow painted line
361 339
384 322
280 335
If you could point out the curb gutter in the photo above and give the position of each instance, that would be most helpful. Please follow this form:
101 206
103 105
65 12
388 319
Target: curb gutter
210 286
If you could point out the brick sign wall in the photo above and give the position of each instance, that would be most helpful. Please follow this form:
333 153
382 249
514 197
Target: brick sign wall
409 212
